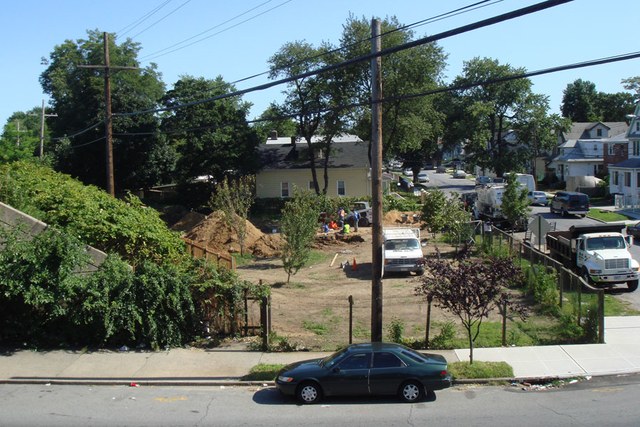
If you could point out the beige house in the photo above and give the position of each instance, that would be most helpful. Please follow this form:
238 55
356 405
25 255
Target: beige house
285 166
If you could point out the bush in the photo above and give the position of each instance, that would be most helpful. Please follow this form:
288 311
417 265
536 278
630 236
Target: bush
444 340
543 287
395 330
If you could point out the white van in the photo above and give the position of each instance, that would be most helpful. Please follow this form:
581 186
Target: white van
402 251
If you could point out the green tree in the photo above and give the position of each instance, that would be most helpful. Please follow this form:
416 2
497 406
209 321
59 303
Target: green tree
411 126
515 202
234 198
211 139
20 136
78 98
470 289
578 101
487 111
274 119
298 227
632 84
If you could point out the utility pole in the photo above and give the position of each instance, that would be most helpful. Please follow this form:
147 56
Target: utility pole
42 116
108 117
376 184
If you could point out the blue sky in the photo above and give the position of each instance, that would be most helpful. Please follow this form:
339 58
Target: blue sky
570 33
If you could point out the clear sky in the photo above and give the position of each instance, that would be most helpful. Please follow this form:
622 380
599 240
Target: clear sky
234 39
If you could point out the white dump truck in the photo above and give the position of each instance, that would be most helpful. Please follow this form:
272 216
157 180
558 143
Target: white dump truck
402 251
599 253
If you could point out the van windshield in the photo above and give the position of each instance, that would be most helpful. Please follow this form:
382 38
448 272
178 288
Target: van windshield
402 244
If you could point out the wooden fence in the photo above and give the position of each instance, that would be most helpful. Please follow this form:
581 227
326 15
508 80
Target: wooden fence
198 250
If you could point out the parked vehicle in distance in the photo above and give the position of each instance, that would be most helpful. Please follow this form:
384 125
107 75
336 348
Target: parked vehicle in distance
408 171
459 174
364 212
570 203
441 169
634 230
364 370
423 176
599 253
405 184
483 180
538 198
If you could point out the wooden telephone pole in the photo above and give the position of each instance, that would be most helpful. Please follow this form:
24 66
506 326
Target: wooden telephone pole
376 184
108 117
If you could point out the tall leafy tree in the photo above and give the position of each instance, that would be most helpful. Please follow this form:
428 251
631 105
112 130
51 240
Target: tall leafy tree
411 125
309 101
515 203
486 111
213 138
20 136
78 98
578 101
632 84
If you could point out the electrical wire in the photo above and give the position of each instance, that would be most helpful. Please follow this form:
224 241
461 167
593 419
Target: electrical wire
139 21
167 50
162 19
436 18
466 28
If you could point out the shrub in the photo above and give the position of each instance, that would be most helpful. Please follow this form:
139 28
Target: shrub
444 340
542 285
395 330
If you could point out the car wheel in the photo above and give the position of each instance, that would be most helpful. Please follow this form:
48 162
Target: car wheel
632 285
309 392
411 391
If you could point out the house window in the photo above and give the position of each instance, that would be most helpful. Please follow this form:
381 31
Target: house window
636 148
615 178
627 179
638 180
341 189
599 132
284 189
311 187
637 126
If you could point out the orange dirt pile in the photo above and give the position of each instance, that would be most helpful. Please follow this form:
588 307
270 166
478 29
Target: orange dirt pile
213 231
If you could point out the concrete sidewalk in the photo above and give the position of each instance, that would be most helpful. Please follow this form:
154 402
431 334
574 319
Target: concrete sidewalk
620 355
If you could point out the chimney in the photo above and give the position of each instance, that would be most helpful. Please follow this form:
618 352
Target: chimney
273 135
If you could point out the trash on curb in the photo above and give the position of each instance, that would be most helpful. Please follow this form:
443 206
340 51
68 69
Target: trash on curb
124 348
134 384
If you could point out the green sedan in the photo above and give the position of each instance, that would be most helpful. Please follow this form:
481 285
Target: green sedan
366 369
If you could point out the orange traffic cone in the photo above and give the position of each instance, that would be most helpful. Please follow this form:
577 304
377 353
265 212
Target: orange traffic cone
354 266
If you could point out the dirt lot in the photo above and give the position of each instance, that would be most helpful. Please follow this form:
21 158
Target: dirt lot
312 310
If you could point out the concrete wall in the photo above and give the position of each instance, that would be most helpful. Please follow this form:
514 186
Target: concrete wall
10 217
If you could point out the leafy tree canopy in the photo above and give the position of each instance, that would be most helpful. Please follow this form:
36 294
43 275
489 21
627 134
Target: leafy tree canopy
581 102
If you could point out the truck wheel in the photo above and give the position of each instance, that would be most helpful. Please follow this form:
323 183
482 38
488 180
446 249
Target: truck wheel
632 285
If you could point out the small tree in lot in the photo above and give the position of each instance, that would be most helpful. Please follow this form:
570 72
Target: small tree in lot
234 198
515 203
470 289
298 225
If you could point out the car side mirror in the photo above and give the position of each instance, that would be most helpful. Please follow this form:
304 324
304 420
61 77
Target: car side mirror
629 240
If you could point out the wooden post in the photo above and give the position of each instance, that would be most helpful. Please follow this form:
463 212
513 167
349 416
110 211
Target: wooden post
428 326
504 323
246 311
350 319
264 323
601 316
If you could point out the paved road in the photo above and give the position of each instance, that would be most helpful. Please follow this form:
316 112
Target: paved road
597 402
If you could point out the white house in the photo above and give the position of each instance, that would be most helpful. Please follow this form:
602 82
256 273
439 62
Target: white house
624 177
581 151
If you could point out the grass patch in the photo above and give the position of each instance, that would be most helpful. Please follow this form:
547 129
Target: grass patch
615 307
479 370
263 372
315 327
241 260
605 215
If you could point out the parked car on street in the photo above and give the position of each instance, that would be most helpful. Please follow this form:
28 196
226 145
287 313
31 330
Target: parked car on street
423 176
364 370
459 174
441 169
537 198
405 184
408 171
570 202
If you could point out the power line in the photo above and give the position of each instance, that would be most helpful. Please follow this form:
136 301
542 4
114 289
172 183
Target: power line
460 30
159 53
432 19
161 19
139 21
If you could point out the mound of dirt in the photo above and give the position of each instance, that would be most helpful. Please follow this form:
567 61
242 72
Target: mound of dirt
213 231
188 221
398 217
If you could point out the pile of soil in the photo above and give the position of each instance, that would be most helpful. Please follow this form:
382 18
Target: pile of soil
213 232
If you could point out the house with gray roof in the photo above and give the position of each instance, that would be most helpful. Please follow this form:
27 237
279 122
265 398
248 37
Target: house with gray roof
585 149
285 166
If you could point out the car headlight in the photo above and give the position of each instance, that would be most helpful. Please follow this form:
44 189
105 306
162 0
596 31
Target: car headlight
284 379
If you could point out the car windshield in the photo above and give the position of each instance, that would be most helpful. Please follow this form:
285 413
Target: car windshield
612 242
332 359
